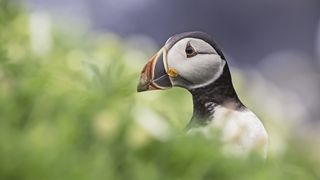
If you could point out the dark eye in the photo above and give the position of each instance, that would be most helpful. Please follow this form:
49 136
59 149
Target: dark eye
190 51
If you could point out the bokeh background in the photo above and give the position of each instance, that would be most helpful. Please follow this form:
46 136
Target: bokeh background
69 107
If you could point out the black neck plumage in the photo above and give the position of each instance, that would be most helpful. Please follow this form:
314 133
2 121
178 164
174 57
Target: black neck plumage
219 93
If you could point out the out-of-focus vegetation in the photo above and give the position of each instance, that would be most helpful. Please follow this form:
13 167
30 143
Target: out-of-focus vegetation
70 111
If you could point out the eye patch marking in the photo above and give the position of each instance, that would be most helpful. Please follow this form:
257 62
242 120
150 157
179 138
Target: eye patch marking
191 51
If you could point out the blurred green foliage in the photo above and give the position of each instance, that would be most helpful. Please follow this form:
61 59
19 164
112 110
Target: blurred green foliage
71 113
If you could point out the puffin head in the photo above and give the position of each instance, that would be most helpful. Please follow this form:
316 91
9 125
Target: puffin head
189 60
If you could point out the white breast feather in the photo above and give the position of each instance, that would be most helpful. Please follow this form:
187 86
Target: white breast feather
241 131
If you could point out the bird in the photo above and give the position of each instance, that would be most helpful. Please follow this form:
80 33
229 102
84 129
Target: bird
194 61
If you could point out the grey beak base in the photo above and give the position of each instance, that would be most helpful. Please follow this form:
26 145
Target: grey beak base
154 75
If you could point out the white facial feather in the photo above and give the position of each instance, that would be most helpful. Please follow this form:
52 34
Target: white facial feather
201 69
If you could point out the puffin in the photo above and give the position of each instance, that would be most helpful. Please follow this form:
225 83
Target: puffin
193 61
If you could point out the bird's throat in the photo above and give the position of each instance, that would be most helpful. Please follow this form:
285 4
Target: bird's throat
219 93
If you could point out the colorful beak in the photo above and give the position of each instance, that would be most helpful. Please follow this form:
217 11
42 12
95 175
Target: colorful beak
154 74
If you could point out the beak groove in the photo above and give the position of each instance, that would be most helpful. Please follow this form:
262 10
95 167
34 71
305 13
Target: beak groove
154 75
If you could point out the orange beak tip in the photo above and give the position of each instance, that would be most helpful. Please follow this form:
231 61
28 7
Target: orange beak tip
141 88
